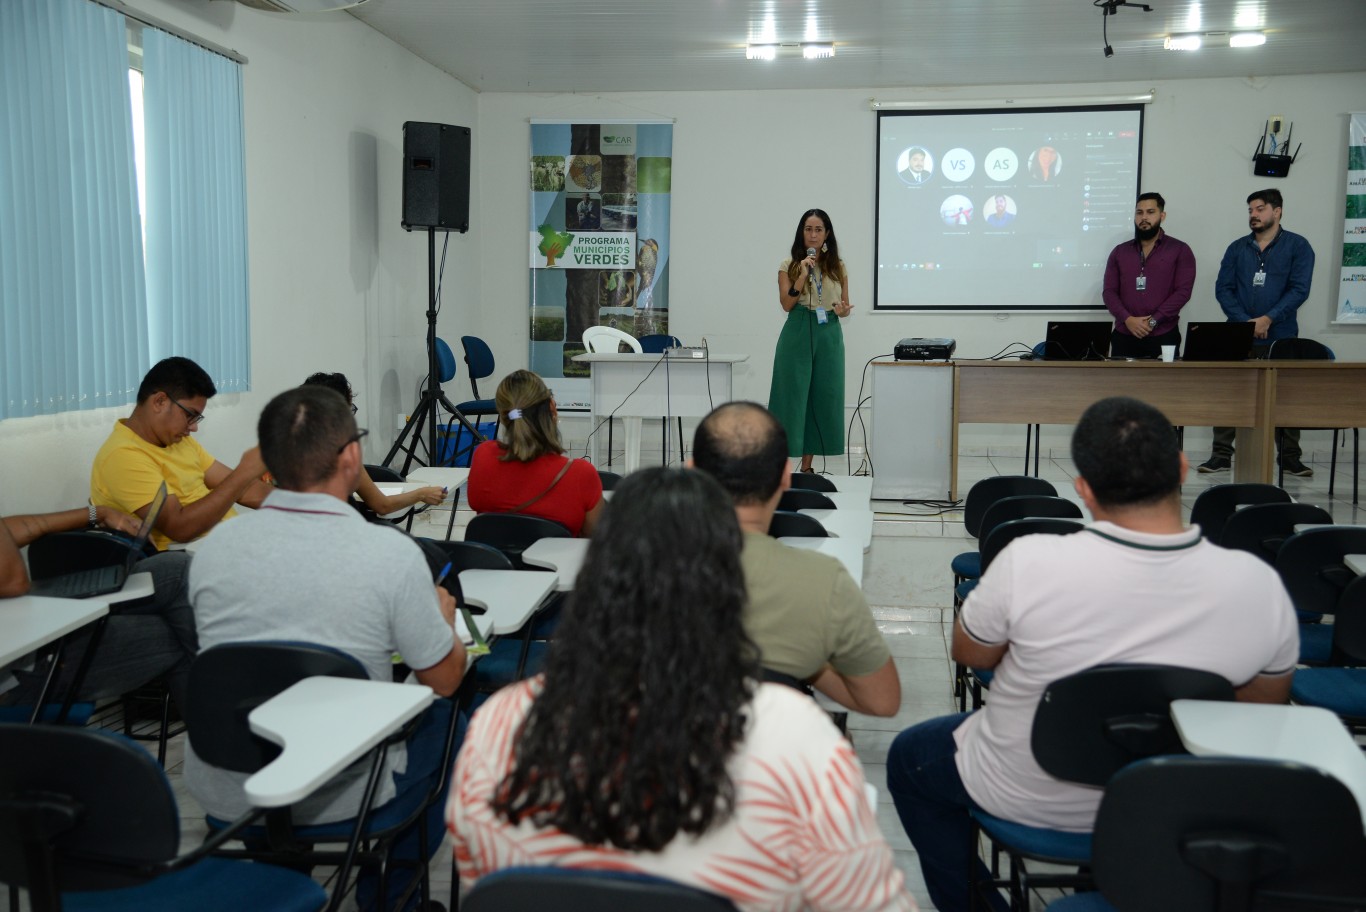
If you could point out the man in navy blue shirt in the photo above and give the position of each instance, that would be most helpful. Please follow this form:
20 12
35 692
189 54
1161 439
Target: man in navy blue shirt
1263 280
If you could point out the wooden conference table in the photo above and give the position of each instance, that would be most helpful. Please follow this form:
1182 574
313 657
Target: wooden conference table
1255 397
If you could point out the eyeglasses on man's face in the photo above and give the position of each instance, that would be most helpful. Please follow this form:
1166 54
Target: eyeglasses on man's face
191 416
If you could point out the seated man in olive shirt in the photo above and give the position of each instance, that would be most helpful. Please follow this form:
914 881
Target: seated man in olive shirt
805 612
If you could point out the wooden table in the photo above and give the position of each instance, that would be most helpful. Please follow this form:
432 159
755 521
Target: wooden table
1255 397
324 724
1303 734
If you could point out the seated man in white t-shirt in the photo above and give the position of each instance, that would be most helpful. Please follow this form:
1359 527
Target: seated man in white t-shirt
1136 586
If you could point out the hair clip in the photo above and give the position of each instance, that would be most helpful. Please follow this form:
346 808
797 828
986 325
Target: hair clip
514 414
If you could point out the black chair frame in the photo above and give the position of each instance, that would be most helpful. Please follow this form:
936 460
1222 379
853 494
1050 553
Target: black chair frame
580 890
1087 727
221 697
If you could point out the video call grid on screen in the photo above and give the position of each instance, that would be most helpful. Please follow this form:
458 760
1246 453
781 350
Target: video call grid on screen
992 209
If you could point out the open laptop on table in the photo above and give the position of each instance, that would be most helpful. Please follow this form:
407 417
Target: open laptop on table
1221 341
101 580
1088 340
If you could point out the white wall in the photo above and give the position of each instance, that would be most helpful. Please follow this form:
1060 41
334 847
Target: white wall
336 284
746 165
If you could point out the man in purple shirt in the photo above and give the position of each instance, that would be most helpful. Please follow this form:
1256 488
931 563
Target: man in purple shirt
1147 282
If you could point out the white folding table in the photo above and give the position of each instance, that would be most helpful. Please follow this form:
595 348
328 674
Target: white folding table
1303 734
633 387
509 597
854 524
563 555
846 550
324 724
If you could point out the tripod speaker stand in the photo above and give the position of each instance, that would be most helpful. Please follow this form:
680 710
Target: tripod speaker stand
424 418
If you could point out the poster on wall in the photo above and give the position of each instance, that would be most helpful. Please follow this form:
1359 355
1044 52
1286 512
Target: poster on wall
1352 287
598 239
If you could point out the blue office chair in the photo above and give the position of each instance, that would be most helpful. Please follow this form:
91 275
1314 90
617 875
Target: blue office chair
89 822
1340 689
479 364
1192 834
1089 726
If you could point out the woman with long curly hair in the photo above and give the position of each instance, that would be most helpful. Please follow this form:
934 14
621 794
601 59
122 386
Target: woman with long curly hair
526 470
807 395
649 745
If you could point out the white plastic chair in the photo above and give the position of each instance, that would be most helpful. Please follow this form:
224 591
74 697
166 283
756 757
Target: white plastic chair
605 339
599 339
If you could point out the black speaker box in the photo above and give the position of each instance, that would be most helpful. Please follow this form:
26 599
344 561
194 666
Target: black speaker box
436 177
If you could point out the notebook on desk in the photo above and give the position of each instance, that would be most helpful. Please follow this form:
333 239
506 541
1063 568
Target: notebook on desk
102 580
1088 340
1218 341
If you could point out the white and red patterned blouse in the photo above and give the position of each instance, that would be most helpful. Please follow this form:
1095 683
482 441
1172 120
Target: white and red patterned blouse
802 835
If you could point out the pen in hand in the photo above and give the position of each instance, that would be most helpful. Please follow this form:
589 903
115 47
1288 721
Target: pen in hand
445 571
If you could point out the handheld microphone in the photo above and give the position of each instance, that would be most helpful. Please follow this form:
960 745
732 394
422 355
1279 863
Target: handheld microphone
811 252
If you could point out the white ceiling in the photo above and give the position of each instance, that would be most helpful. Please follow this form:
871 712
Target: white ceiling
660 45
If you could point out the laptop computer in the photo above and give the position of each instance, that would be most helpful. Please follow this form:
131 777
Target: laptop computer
1222 341
1088 340
102 580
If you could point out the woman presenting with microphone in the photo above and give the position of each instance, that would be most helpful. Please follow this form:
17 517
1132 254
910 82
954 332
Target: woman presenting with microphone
807 395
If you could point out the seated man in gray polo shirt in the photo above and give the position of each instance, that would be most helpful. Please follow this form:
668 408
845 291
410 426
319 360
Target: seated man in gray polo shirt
805 612
307 567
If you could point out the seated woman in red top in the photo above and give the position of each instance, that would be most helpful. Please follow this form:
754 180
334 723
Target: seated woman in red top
525 470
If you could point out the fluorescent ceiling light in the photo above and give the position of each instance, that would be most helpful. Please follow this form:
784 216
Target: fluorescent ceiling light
817 51
1247 39
1182 43
761 51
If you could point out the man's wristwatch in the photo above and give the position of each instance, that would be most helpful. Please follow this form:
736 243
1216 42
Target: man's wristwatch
94 517
1152 322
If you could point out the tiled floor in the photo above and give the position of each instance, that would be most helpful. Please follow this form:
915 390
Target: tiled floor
907 583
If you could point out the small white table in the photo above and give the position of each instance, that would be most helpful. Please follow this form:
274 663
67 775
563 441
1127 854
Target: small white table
635 386
846 551
1304 734
324 724
509 597
1356 563
854 524
30 622
448 477
563 555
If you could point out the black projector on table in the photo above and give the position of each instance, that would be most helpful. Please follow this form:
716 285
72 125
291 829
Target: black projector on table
925 349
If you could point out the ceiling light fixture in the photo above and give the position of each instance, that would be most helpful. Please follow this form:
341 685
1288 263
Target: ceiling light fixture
1247 39
761 51
818 51
1182 42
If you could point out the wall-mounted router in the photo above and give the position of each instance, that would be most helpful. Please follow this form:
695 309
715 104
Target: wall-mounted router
1272 158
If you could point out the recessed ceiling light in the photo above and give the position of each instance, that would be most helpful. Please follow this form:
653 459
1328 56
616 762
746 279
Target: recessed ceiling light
817 51
1247 39
1182 43
761 51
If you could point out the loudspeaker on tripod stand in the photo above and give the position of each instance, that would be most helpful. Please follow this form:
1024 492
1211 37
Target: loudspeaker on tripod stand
436 177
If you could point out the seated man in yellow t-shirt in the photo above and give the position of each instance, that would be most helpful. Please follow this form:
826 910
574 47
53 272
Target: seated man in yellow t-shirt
154 445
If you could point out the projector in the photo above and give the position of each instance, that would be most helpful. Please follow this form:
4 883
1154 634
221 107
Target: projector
925 349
